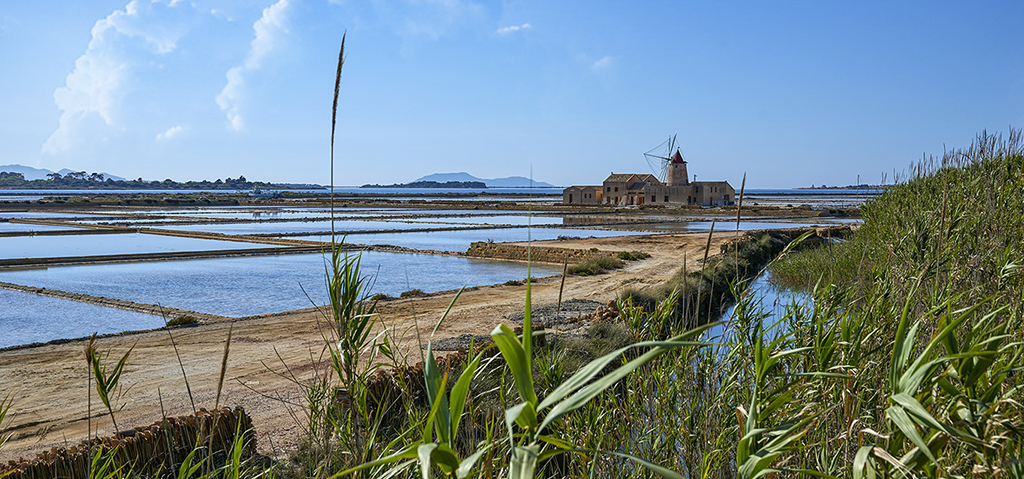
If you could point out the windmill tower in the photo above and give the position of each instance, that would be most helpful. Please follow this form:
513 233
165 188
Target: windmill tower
668 163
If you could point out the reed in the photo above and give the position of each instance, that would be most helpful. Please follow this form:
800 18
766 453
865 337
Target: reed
902 364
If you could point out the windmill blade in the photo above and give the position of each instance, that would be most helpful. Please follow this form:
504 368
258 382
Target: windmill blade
659 158
659 151
655 163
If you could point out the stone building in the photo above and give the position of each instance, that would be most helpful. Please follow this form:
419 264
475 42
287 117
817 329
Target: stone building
589 195
625 189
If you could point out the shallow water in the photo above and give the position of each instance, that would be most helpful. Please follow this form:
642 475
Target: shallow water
125 243
267 284
494 220
459 240
29 318
772 300
6 226
299 227
40 215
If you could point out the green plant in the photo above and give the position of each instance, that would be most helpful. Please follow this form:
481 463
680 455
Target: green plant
107 382
5 407
412 293
633 255
183 321
595 266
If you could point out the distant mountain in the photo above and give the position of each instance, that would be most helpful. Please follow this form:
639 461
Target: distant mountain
65 171
432 184
507 182
40 173
29 172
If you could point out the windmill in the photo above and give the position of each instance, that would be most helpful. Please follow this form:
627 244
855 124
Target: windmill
668 163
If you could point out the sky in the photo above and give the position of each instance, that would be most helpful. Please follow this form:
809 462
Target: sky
790 93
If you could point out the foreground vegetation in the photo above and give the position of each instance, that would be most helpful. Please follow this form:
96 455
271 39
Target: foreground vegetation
905 363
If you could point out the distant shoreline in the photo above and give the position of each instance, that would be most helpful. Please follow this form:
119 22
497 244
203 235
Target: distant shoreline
433 185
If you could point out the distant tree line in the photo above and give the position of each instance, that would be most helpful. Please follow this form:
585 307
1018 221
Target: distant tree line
83 180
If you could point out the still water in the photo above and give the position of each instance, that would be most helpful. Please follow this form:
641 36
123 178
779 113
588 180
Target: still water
124 243
28 318
769 299
259 285
6 226
459 240
299 227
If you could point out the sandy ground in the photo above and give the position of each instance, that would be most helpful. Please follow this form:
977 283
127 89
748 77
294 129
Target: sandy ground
272 356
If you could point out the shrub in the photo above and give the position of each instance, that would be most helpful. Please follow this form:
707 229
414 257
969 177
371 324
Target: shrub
596 266
380 297
183 321
413 293
633 255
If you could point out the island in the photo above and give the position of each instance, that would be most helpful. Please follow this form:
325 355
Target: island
433 184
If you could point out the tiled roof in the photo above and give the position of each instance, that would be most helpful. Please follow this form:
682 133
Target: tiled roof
618 177
630 178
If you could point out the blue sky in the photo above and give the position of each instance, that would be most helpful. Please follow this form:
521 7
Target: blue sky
792 93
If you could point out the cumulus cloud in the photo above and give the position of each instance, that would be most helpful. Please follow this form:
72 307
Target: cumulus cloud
513 28
604 63
268 31
171 133
96 84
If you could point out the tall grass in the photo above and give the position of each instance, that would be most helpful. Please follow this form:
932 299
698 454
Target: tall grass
903 364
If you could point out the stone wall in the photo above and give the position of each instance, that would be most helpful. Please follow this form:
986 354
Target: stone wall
539 254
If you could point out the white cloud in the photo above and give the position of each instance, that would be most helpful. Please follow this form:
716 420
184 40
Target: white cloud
171 133
268 30
513 28
604 63
96 84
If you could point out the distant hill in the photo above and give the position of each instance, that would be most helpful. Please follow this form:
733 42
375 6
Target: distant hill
432 184
65 171
40 173
507 182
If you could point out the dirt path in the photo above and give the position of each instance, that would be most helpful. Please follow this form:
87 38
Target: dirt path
270 353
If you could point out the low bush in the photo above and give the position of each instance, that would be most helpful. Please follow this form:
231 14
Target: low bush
183 321
413 293
597 266
633 255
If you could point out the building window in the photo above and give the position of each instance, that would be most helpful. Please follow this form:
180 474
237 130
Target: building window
666 198
653 200
616 189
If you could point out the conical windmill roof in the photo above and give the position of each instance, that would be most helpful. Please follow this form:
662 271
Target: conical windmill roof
678 158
